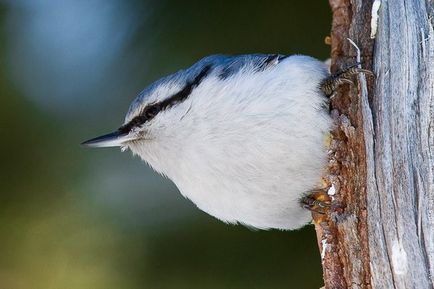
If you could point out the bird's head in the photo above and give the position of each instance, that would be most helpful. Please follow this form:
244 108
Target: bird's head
158 109
171 109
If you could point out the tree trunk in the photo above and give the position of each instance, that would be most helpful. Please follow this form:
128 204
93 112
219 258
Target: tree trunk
381 233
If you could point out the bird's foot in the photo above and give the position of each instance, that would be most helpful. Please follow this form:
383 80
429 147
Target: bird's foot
329 85
317 201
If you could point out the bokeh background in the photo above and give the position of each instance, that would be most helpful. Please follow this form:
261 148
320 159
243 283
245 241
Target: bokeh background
77 218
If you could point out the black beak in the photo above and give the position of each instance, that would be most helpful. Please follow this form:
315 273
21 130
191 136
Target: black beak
113 139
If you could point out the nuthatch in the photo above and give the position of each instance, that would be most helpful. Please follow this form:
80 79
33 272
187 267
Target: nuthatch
240 136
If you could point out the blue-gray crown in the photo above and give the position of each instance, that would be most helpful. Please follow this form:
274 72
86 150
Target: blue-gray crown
222 65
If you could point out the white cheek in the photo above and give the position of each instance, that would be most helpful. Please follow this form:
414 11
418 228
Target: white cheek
157 154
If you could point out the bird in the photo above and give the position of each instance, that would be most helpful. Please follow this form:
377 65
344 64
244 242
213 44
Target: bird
242 137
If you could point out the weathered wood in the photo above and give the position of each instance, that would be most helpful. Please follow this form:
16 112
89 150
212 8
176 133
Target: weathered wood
382 153
401 155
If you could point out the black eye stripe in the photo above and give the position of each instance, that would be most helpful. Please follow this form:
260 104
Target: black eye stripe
150 111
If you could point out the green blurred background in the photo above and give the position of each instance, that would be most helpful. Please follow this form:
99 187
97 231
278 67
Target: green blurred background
77 218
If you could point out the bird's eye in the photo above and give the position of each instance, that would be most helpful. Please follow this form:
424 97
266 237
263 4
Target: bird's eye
152 111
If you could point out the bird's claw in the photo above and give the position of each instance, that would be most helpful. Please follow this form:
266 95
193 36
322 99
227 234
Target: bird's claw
329 85
317 201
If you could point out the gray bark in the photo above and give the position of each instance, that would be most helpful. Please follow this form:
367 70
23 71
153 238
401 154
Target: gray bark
399 140
382 153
